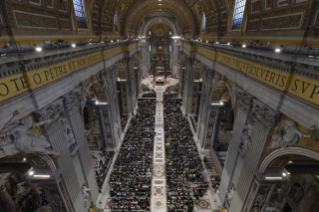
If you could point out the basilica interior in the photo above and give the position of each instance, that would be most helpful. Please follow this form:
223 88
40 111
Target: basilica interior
159 105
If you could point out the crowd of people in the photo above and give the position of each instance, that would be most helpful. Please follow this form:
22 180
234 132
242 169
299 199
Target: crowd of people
130 182
102 166
185 179
149 95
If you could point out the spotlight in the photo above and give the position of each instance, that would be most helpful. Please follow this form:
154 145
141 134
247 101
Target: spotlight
221 103
38 49
207 41
73 45
244 45
217 42
31 173
228 44
277 50
24 159
284 174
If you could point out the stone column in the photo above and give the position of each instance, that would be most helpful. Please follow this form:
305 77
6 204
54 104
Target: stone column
74 112
188 86
7 202
130 82
203 114
239 123
60 142
255 136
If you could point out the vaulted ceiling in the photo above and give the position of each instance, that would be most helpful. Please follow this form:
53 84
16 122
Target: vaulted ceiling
131 14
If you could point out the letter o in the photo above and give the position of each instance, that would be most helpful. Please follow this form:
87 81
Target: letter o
34 79
1 94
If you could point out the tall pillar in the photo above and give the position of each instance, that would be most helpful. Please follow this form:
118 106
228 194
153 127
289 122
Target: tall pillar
188 86
255 136
82 156
130 82
203 115
232 155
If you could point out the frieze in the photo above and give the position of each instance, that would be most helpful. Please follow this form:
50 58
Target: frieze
28 20
253 25
283 22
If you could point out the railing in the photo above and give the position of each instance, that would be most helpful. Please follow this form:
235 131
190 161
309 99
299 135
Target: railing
292 52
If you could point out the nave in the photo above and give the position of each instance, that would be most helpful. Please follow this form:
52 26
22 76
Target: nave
158 167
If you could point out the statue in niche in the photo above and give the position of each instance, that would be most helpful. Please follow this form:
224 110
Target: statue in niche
244 142
230 193
87 196
67 131
286 134
85 92
19 137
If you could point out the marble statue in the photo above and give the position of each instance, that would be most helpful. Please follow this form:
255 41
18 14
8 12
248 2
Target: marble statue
287 134
18 137
244 142
67 131
230 193
87 196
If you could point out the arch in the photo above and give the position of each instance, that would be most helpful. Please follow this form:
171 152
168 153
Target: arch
287 151
178 6
150 21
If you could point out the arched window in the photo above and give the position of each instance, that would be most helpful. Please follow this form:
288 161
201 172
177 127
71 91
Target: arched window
204 23
115 22
238 13
79 14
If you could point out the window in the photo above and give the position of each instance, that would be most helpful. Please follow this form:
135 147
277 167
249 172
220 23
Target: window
204 23
149 32
79 13
115 23
238 13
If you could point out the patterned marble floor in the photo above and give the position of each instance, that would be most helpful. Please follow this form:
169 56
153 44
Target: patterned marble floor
158 194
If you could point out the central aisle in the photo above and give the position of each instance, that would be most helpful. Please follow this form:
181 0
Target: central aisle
158 195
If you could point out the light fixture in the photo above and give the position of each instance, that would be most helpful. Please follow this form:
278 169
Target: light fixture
228 44
41 176
277 50
159 4
111 41
24 159
38 49
217 42
290 161
207 41
273 178
176 37
73 45
284 174
221 103
31 173
244 45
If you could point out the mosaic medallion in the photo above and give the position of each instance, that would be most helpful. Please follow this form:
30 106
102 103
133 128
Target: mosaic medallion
203 204
158 204
158 190
159 161
159 181
159 171
159 155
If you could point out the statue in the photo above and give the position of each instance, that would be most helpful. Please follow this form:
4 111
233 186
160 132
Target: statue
244 142
87 196
230 193
287 134
19 137
67 131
